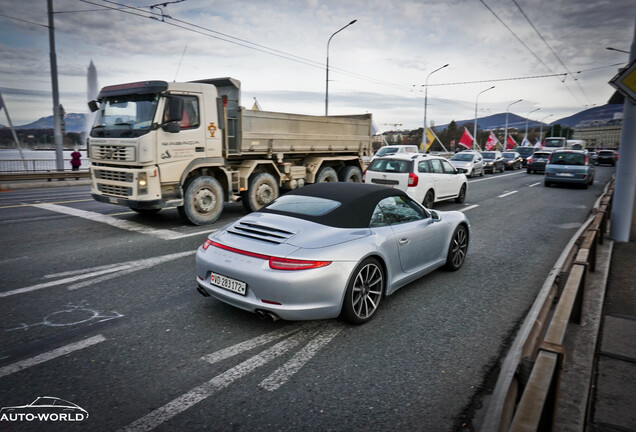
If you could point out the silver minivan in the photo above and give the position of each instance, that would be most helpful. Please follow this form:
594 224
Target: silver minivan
570 166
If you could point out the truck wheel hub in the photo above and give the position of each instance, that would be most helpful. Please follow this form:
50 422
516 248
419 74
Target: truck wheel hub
205 201
264 194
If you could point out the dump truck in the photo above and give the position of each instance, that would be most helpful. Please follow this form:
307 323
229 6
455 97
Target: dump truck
191 145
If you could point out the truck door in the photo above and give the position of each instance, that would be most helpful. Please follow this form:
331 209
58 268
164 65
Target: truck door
186 144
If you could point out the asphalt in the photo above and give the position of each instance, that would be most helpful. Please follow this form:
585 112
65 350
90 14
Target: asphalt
598 380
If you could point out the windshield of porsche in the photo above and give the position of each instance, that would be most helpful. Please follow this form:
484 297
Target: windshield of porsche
126 116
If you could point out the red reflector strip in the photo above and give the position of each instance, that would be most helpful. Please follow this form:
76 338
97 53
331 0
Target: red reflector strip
239 251
271 302
275 262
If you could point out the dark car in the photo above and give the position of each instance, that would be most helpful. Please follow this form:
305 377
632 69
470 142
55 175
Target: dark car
525 153
569 166
537 161
512 160
604 157
493 161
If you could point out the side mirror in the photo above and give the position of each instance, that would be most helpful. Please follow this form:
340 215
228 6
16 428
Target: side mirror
434 216
92 105
461 170
172 127
175 109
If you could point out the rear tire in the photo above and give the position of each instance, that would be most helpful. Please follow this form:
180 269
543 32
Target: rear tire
262 190
327 175
203 201
364 292
351 174
457 248
462 195
429 199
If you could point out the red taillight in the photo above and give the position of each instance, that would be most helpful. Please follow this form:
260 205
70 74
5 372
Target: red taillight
206 244
292 264
364 174
586 161
274 262
413 179
529 160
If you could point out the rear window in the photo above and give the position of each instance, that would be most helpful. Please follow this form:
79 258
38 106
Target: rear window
538 155
391 166
606 153
304 205
567 159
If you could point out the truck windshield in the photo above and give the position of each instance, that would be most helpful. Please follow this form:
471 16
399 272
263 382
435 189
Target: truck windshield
126 116
554 142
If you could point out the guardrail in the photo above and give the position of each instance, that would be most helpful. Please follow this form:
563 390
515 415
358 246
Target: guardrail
33 165
48 175
530 373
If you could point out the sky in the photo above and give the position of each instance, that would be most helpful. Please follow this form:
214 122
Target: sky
549 53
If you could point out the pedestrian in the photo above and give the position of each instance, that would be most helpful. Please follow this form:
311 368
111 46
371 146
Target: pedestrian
76 160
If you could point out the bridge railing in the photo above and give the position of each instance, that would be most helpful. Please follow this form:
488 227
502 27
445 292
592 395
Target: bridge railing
525 397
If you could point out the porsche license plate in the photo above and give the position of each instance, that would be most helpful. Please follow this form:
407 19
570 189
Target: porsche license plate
228 283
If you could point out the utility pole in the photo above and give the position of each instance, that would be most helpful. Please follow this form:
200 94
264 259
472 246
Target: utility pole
57 115
623 201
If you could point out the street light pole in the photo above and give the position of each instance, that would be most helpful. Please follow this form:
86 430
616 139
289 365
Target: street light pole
527 118
327 79
426 104
57 117
475 143
505 143
541 129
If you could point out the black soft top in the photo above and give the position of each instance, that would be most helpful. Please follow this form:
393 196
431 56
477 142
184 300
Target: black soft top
357 202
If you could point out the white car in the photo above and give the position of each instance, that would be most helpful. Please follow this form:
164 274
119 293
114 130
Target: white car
471 161
426 178
396 149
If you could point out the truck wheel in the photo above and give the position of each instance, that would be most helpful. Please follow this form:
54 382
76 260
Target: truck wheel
262 190
350 174
203 201
327 175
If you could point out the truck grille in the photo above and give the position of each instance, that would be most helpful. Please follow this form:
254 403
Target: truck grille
120 191
113 153
113 175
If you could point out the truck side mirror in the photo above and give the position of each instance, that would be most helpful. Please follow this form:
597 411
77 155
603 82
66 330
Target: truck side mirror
172 127
92 105
174 109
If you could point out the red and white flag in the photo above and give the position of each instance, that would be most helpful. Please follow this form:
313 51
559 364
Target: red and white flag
466 139
492 141
511 142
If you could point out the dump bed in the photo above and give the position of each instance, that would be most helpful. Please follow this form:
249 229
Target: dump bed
265 132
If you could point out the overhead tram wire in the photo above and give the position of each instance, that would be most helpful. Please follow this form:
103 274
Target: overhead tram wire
528 48
136 11
551 49
235 40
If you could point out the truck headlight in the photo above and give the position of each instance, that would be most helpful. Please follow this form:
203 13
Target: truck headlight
142 182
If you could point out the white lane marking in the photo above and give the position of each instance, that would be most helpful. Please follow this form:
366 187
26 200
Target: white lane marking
106 272
219 382
534 184
495 177
282 374
253 343
469 208
58 352
507 194
163 234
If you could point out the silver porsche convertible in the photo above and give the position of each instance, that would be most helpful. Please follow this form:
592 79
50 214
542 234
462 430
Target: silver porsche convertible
328 250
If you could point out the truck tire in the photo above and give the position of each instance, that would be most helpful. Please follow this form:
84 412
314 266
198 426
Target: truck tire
203 201
350 174
326 175
262 190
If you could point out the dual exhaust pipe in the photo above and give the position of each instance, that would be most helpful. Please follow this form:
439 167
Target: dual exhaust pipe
262 314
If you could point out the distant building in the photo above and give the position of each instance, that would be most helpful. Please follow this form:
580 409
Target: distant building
600 134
